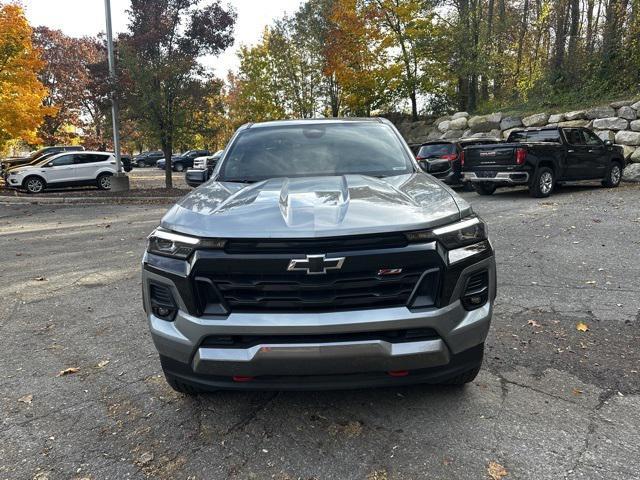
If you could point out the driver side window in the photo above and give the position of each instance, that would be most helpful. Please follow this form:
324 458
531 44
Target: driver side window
591 138
574 136
61 161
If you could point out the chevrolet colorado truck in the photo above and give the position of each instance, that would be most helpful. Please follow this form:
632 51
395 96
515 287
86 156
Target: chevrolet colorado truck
540 158
318 255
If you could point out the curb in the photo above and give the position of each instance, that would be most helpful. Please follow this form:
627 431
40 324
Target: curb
8 200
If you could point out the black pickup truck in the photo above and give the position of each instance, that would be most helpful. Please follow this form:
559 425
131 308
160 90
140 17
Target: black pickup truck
541 158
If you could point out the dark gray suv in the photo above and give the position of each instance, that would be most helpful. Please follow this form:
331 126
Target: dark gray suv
319 255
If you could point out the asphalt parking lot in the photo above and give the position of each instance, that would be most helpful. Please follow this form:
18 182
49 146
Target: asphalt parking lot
552 401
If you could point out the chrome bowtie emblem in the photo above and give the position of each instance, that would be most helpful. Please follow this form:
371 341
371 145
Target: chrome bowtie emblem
315 264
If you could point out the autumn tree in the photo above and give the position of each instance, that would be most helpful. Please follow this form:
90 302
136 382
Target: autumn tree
21 93
357 57
160 56
65 75
403 21
254 93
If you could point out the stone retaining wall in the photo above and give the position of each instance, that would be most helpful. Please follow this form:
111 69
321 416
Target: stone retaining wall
618 122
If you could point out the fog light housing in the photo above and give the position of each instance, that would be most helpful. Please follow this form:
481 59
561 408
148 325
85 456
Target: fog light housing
476 292
162 303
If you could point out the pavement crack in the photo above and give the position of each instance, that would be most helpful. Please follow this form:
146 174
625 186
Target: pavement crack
504 382
243 422
603 398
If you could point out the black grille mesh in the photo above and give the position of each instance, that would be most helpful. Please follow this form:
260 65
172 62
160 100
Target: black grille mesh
292 292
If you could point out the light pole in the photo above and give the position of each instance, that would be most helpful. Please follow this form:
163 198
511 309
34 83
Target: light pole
119 182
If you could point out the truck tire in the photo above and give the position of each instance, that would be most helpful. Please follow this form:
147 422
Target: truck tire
484 188
543 183
463 378
181 386
613 176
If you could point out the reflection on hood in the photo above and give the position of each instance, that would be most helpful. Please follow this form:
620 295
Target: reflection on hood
315 207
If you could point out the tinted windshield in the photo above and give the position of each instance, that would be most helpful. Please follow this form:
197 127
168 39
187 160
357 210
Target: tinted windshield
38 153
545 136
436 150
316 149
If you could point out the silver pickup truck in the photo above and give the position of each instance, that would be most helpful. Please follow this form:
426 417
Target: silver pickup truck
318 255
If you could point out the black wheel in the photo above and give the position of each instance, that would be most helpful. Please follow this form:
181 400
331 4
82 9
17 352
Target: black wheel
178 167
614 175
104 181
467 187
140 164
484 188
34 184
181 386
463 378
543 183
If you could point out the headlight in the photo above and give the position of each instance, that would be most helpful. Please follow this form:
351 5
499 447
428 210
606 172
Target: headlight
169 244
457 235
462 233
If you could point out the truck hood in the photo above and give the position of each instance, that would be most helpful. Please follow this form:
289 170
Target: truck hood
315 207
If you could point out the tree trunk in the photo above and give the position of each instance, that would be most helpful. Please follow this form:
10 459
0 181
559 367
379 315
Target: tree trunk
574 30
589 34
523 32
414 104
557 63
488 42
499 40
473 93
612 36
463 93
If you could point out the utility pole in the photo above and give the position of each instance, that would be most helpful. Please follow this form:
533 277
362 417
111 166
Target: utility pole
119 182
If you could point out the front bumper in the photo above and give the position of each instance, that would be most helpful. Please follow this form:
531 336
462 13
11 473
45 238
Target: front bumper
13 181
322 363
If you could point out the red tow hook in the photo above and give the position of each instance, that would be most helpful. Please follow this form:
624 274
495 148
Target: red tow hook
398 373
242 378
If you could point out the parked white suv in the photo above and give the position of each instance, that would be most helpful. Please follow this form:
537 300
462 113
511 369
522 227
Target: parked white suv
65 170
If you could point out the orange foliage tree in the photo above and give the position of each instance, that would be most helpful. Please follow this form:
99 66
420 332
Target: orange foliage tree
356 54
21 93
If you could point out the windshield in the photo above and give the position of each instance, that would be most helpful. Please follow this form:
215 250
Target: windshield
436 150
37 154
315 149
533 136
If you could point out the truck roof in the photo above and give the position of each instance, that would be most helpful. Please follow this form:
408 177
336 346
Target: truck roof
314 121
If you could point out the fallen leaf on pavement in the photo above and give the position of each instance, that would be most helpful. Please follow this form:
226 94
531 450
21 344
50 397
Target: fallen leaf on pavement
576 392
582 327
145 458
496 471
533 323
68 371
26 399
103 363
40 279
591 282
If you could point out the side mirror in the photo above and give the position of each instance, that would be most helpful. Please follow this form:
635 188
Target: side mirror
423 165
608 143
50 164
195 178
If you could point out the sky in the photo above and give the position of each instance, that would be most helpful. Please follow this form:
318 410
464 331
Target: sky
86 17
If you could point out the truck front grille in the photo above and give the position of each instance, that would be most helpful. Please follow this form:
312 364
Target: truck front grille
298 292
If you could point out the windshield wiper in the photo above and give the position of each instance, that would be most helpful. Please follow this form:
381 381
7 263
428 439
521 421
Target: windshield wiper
238 180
